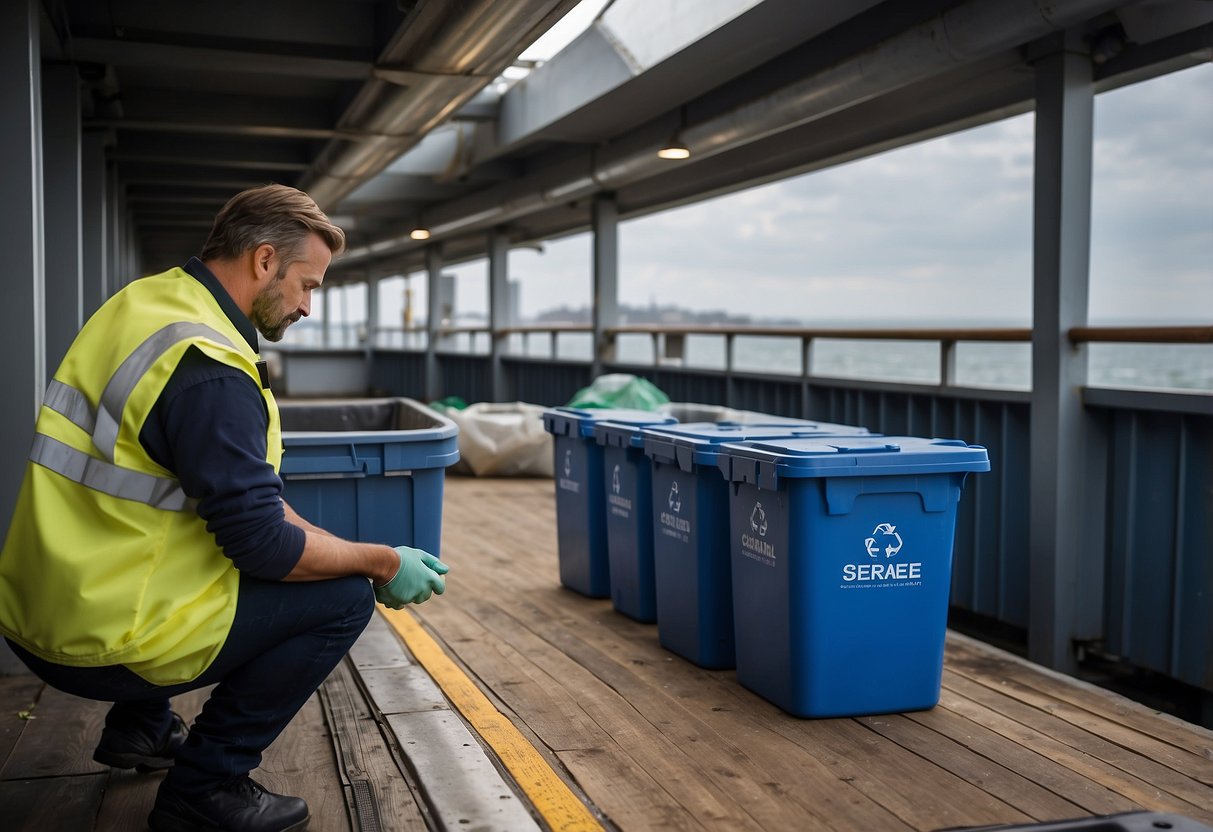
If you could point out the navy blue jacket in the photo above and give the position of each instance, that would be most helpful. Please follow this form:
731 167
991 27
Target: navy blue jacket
208 427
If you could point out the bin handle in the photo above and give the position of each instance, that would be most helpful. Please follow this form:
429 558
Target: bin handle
327 475
842 491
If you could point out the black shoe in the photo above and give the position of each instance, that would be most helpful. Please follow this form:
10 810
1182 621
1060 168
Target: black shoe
136 749
241 806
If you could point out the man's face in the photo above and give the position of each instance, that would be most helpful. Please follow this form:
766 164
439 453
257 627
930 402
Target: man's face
288 297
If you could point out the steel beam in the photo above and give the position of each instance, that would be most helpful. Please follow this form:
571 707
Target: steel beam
605 277
134 53
433 320
93 221
1062 223
22 326
62 186
500 313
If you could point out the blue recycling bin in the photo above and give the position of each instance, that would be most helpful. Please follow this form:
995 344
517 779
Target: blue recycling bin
691 530
370 470
580 497
627 486
841 554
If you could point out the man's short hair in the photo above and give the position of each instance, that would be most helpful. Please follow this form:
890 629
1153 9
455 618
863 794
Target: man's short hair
276 214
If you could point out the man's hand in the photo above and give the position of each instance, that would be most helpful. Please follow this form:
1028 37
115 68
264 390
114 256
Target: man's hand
419 576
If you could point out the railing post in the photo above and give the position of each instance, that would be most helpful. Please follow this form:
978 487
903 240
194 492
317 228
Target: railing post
729 395
605 314
947 362
806 370
1059 528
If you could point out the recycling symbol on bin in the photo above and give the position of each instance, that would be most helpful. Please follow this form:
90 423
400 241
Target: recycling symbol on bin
615 479
675 498
568 462
883 533
758 520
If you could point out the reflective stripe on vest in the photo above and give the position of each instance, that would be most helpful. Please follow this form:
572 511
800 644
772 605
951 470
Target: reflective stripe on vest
120 387
158 492
70 402
101 474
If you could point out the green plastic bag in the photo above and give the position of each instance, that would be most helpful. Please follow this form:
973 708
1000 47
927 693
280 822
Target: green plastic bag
620 390
449 403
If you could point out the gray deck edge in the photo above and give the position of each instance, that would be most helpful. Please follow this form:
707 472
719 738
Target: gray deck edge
462 786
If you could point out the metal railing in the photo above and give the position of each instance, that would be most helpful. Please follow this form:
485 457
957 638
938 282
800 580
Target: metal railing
669 340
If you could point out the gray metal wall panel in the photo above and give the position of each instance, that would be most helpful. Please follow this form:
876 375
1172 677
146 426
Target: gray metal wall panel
398 374
688 385
1158 587
469 377
550 384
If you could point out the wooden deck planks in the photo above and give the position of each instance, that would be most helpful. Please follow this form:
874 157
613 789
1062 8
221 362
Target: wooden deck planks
1122 770
52 803
647 735
1183 747
49 781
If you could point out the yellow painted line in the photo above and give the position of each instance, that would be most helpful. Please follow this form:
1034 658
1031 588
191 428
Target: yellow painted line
555 802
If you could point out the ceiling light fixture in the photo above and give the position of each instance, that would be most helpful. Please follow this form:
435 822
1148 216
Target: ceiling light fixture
420 233
676 148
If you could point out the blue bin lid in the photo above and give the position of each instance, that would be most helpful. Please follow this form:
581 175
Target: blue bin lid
698 443
764 462
578 421
625 433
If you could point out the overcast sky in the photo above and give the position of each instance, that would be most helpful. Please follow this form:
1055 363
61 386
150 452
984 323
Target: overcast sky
936 231
940 231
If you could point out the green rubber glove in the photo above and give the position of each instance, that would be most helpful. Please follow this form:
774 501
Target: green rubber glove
419 576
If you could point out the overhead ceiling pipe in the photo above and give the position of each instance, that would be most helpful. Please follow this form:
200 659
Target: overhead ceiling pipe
962 34
438 60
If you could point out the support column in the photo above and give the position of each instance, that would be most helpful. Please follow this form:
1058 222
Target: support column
113 231
1058 467
500 313
372 327
433 320
605 312
326 322
62 217
22 315
93 221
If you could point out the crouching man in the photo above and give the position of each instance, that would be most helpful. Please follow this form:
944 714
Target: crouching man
150 551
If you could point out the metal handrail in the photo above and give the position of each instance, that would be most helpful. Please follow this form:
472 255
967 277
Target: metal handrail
901 334
1196 334
1142 334
669 340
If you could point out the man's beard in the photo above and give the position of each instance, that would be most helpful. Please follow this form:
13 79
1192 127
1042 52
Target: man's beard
267 315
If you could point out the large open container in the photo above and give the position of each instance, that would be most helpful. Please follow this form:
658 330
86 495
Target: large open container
690 530
580 496
841 555
370 470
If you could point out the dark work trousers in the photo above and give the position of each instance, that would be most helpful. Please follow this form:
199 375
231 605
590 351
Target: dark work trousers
286 639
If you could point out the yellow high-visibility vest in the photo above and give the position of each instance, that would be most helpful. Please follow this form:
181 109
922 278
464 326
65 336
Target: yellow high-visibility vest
106 560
